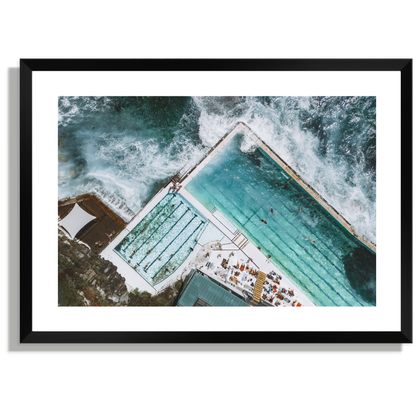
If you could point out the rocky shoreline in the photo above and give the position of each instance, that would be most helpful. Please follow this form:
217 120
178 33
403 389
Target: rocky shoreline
87 279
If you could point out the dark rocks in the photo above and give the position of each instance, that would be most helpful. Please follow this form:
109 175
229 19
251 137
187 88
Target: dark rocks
93 280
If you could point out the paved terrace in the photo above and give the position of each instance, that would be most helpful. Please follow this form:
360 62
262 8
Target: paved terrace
105 223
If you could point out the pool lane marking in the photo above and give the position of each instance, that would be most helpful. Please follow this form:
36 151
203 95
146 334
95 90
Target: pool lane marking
172 257
321 265
279 224
159 225
163 207
186 211
183 229
296 241
294 264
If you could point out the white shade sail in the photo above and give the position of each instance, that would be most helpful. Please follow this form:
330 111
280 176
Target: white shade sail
75 220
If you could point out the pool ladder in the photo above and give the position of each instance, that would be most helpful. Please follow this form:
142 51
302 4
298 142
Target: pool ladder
241 244
212 209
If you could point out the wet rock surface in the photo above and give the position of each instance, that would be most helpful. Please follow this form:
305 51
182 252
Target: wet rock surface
86 279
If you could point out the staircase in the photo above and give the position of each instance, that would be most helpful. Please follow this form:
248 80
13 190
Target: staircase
237 240
258 288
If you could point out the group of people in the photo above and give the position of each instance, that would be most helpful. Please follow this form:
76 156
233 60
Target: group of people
175 187
100 243
272 293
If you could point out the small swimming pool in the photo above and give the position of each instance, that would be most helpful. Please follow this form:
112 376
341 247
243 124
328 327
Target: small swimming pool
163 239
330 265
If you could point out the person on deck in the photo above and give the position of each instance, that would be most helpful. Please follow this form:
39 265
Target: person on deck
110 235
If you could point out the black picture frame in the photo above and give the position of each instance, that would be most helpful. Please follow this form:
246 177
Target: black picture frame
28 66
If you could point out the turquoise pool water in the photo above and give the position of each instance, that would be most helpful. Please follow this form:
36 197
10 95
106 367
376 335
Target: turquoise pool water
163 239
329 264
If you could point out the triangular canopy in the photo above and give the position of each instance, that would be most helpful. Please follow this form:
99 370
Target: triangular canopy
75 220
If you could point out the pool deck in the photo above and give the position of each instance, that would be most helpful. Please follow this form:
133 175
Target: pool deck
236 242
243 249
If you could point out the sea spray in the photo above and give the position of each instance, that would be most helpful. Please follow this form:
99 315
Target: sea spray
329 141
120 152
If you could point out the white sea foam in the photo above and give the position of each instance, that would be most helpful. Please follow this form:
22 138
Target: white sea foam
327 174
124 161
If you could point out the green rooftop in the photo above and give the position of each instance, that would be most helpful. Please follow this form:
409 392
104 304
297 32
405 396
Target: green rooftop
201 291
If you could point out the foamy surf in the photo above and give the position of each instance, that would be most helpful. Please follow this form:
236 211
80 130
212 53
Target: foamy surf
124 158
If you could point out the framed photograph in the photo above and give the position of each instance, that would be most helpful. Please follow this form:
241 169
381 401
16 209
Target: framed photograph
277 194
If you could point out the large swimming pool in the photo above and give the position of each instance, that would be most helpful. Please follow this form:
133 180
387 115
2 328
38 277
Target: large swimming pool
330 265
163 239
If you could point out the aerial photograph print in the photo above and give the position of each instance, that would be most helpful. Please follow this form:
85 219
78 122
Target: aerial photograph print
217 201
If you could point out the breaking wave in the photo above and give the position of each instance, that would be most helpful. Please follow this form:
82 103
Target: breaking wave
126 148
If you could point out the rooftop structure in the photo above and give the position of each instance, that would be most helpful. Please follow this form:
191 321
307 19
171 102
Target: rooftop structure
199 290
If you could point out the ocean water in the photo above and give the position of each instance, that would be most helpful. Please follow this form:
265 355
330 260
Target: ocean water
330 265
125 148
